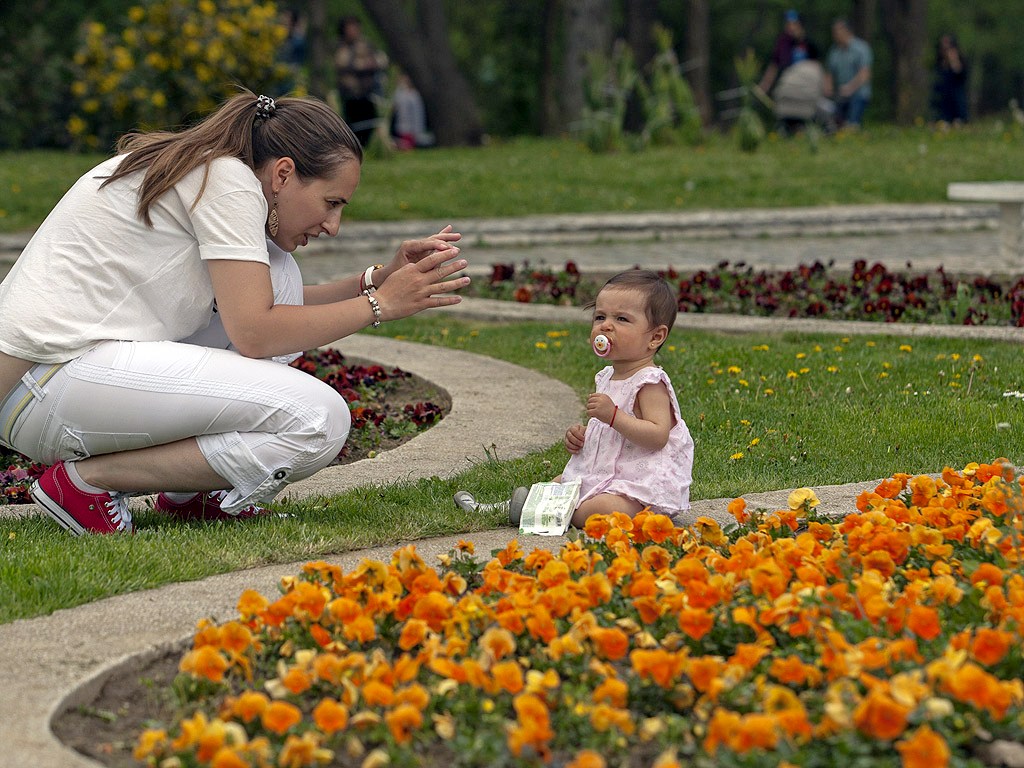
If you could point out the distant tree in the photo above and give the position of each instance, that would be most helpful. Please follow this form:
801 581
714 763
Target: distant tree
697 64
550 112
641 16
588 31
905 24
863 18
419 45
321 80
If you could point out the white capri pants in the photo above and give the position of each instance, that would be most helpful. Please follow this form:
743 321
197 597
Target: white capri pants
258 423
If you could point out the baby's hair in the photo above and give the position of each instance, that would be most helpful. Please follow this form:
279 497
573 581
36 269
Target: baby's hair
661 305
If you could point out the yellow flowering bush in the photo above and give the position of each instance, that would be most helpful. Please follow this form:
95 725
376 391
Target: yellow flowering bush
889 637
172 59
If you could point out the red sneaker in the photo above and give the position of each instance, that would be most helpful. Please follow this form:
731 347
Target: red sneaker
78 511
203 506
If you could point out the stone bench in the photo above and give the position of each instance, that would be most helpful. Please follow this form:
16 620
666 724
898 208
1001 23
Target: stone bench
1010 197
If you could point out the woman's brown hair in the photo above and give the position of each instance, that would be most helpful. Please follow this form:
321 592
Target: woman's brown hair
306 130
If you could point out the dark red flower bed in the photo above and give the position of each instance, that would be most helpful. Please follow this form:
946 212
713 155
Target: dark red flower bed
384 404
873 293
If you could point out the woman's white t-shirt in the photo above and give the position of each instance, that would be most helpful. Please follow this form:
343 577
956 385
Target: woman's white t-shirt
95 272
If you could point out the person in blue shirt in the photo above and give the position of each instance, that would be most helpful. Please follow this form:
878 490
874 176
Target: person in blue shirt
848 70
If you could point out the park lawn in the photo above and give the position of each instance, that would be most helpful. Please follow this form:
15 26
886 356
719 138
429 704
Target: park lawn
524 176
767 411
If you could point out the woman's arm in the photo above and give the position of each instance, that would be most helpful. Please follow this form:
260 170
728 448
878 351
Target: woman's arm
259 328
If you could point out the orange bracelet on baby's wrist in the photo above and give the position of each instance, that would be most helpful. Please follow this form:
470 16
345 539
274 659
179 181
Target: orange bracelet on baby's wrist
614 414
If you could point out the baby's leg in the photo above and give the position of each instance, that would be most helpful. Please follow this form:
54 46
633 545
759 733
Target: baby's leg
604 504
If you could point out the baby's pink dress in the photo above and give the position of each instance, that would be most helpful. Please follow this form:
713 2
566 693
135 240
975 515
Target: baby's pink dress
608 463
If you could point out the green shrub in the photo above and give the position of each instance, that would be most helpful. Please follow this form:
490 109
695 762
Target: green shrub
33 84
173 59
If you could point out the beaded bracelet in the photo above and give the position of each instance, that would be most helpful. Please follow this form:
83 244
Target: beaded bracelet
366 279
375 306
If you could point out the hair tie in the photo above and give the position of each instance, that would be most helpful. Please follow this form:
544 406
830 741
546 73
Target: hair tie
265 107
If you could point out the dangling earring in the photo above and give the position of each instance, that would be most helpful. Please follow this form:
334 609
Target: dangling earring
273 222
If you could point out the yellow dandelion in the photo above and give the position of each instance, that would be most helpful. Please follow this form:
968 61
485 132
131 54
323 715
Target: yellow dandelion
906 348
736 456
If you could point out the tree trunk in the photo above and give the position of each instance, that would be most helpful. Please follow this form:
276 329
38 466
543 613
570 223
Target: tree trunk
641 16
698 56
904 23
321 79
863 19
550 122
588 31
421 48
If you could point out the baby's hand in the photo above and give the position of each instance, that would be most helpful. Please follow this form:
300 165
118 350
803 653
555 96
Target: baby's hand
600 407
574 437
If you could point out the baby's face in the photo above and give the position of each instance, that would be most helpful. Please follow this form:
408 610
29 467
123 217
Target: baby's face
620 316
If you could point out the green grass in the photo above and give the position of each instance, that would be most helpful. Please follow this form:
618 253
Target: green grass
538 176
928 410
819 428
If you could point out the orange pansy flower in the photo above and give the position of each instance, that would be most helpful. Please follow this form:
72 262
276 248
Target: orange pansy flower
612 690
989 646
703 672
434 608
541 625
205 661
663 667
696 622
987 573
657 528
297 680
923 621
924 749
738 509
879 715
413 633
649 609
376 693
498 643
508 676
611 643
249 705
280 716
756 731
402 721
330 716
251 603
227 757
597 526
588 758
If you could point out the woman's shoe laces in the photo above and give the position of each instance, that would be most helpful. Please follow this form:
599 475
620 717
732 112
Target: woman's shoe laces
118 512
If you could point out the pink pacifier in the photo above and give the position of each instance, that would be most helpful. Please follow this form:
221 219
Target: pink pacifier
602 345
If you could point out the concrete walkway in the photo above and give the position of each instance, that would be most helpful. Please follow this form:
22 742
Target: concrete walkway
55 662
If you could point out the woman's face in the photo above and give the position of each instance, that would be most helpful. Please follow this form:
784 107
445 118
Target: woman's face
309 208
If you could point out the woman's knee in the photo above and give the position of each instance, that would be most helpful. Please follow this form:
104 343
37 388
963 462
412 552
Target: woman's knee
319 437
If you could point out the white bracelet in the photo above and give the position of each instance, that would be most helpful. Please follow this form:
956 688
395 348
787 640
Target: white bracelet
375 306
366 284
